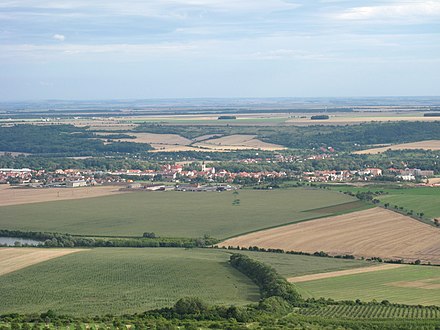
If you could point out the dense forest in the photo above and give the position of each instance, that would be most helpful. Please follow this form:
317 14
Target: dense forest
62 140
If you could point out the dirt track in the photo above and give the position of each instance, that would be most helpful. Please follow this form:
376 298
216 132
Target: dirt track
15 196
370 233
12 259
306 278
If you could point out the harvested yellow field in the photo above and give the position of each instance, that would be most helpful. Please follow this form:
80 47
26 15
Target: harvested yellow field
375 232
158 147
319 276
166 139
238 141
15 196
425 145
12 259
434 181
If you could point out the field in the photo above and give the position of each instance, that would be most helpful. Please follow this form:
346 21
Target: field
406 284
361 270
158 138
375 232
425 145
419 199
15 196
14 259
175 214
238 141
102 281
291 265
373 312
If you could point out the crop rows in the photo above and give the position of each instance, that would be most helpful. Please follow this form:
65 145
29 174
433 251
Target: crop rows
373 312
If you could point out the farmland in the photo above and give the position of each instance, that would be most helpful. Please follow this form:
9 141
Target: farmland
14 259
175 214
237 141
407 284
418 199
370 233
101 281
425 145
290 265
373 312
13 196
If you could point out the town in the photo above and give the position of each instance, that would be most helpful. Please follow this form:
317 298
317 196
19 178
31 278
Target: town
177 174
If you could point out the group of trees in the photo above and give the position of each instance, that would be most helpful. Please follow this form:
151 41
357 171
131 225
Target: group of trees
62 140
67 240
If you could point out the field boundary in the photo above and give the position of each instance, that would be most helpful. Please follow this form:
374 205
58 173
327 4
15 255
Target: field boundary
361 270
303 220
13 259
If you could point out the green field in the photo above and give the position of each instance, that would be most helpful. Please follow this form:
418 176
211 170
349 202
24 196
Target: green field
176 214
290 265
373 312
418 199
102 281
408 285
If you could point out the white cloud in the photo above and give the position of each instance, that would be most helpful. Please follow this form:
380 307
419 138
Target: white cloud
59 37
421 10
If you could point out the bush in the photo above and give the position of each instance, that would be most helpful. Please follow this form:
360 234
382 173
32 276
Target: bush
190 306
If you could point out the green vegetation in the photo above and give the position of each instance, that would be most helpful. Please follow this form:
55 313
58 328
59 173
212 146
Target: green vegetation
346 138
281 307
378 311
171 214
46 239
102 281
271 284
290 265
319 117
65 140
406 285
423 200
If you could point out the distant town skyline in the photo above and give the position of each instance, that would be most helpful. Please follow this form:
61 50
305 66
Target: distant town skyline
78 49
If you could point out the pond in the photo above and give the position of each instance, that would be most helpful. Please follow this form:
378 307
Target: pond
10 241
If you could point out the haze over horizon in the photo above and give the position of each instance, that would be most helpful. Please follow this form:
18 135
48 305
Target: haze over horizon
201 49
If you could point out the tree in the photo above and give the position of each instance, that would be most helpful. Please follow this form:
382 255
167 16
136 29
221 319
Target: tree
190 305
149 235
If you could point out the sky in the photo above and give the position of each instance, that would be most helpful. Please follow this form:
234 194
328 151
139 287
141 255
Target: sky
140 49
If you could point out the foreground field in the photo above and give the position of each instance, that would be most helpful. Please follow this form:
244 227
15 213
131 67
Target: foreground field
425 145
407 284
14 259
15 196
102 281
177 214
370 233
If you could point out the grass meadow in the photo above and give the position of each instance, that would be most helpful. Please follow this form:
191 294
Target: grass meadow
101 281
175 214
418 199
407 285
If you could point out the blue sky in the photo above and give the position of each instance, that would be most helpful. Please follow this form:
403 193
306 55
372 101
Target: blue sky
105 49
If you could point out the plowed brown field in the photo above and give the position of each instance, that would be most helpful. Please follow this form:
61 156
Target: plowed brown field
370 233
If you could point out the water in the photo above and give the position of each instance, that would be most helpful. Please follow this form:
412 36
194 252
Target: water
10 241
